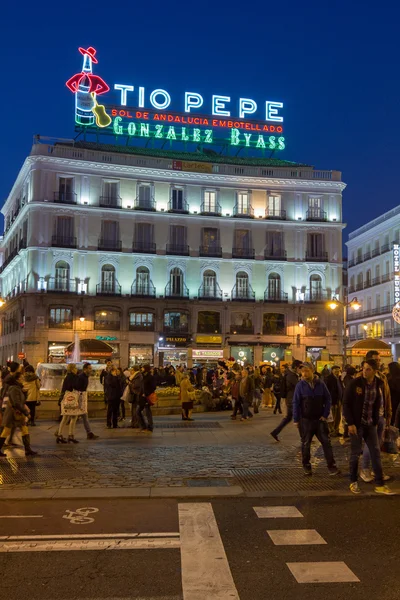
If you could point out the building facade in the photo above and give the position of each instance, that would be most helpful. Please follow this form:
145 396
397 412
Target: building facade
371 278
170 257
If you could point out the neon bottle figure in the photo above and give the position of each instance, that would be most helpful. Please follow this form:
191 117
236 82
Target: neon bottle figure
84 102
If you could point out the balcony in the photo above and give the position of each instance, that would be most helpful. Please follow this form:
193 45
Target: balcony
243 253
208 328
9 258
277 215
367 256
316 214
276 255
145 247
110 245
316 256
318 295
215 251
22 245
180 206
144 290
65 197
376 281
210 292
141 326
242 329
176 328
144 204
63 241
243 293
351 263
359 259
178 249
359 286
108 288
367 284
243 210
62 285
375 252
351 289
275 296
211 208
110 201
174 290
386 277
371 312
385 248
315 331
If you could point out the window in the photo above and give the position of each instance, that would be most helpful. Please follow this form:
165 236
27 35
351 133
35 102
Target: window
144 197
110 231
273 205
241 322
274 286
143 281
210 238
208 322
377 272
243 203
62 276
368 278
274 324
242 285
242 239
66 189
387 298
176 282
210 203
313 327
177 236
141 321
144 237
360 281
176 321
108 279
369 303
352 282
315 287
110 193
315 245
274 244
60 318
378 301
107 319
314 202
64 229
177 199
377 331
209 284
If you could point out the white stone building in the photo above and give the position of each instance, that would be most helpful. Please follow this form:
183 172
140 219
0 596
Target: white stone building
371 280
170 256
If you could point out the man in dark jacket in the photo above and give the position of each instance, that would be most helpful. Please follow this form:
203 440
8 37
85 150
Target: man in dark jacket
114 392
311 407
288 384
149 386
335 387
364 400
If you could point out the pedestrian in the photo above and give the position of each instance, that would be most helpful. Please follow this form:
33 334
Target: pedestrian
179 375
70 384
136 389
258 390
363 402
83 383
122 378
276 387
16 412
246 391
113 385
311 407
32 391
394 385
13 367
103 376
235 393
187 397
336 389
149 387
288 385
267 384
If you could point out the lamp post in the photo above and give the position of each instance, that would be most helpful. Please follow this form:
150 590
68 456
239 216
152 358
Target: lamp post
333 305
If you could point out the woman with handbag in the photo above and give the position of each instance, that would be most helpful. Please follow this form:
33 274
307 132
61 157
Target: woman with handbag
16 413
69 385
187 398
32 390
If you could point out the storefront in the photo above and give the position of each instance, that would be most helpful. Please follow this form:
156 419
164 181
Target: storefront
314 353
173 350
244 355
206 356
141 354
274 354
56 352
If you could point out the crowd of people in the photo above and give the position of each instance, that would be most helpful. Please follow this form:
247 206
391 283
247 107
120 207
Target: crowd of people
362 404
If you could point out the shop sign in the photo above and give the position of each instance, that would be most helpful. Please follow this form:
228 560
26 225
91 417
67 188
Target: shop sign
177 340
140 112
191 165
106 338
208 354
396 272
209 339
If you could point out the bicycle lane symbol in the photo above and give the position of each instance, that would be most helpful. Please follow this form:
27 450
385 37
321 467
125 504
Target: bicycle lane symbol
80 515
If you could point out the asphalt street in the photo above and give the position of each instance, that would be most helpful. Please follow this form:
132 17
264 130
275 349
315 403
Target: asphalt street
221 549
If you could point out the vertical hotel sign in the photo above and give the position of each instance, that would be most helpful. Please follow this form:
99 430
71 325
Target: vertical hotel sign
396 270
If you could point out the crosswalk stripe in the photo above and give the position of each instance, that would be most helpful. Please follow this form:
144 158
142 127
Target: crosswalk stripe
206 574
277 512
295 537
322 572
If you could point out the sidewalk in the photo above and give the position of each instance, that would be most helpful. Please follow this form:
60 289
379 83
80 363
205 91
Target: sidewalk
213 456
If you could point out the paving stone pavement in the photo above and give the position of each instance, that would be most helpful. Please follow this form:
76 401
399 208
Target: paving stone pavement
169 457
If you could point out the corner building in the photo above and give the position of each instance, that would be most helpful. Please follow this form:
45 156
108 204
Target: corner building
170 256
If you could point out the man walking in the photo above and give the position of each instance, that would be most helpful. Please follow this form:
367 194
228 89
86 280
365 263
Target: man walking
311 407
103 377
246 392
288 384
335 388
82 386
363 399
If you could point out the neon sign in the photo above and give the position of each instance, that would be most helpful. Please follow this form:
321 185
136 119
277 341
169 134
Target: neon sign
158 122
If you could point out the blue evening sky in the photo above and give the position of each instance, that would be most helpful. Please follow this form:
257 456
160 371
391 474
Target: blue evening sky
335 65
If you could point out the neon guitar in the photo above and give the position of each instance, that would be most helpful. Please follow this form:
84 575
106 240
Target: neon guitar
102 118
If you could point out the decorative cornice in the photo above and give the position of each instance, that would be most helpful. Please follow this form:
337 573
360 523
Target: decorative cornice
177 262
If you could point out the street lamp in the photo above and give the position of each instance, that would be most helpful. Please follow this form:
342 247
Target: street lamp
2 302
355 305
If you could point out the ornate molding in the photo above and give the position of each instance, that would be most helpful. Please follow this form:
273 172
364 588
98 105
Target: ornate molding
108 259
214 265
178 262
243 266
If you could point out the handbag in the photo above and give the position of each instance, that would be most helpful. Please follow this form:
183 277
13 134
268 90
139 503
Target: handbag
152 399
127 396
389 440
71 400
192 396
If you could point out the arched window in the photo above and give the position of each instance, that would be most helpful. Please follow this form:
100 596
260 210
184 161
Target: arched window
209 284
315 287
61 282
176 282
143 281
274 286
242 285
108 279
